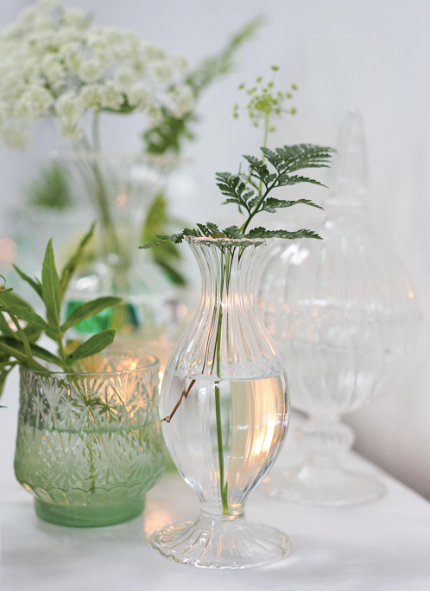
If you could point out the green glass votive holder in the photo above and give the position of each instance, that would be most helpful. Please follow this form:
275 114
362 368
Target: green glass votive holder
89 444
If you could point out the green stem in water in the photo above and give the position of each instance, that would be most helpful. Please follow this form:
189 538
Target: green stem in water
223 486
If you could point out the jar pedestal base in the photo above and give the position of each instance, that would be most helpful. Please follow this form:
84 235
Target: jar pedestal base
90 516
221 543
324 486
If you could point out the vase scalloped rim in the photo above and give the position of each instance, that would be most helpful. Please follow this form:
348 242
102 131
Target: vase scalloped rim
146 362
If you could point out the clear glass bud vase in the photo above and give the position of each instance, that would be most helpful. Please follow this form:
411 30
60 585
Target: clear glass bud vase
225 410
117 190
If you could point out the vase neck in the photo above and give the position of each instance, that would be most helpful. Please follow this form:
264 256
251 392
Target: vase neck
228 275
227 339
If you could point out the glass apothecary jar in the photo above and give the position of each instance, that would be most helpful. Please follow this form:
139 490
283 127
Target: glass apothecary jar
344 314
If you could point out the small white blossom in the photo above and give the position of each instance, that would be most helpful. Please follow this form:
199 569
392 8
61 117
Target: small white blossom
67 35
28 15
111 97
124 78
182 98
33 103
11 32
90 96
72 55
12 84
53 70
90 70
43 23
68 106
74 17
100 47
162 72
139 95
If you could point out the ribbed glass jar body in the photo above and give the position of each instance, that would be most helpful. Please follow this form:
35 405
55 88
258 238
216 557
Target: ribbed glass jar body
343 311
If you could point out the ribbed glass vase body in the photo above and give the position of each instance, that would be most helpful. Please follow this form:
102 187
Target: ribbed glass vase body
225 405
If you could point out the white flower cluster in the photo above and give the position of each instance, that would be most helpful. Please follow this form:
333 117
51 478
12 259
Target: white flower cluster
54 63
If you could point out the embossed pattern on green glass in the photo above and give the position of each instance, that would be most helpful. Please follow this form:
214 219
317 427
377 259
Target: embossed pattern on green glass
89 444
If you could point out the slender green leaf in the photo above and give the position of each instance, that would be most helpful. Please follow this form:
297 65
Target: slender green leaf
44 354
21 335
29 316
10 298
51 286
88 310
4 372
4 326
93 345
74 261
34 283
17 351
33 333
36 351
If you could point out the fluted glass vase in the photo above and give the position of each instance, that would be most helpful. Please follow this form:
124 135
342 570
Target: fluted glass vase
225 410
117 190
89 443
343 312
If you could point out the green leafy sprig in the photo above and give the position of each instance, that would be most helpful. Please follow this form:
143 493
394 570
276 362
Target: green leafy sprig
251 192
170 133
21 326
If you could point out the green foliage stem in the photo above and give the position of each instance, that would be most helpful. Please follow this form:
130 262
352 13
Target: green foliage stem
21 326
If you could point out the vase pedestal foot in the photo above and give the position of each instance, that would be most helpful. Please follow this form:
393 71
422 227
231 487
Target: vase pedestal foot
90 516
221 543
325 486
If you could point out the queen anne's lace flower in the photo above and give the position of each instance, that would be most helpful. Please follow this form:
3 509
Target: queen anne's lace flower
54 63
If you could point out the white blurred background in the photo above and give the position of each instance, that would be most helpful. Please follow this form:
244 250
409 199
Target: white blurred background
369 53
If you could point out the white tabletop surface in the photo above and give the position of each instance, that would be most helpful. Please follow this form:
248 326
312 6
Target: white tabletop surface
384 546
